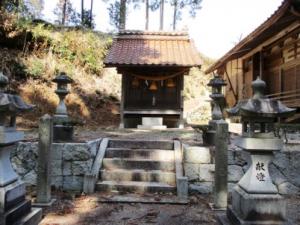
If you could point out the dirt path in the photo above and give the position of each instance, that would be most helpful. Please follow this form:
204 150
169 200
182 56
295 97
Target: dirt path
87 210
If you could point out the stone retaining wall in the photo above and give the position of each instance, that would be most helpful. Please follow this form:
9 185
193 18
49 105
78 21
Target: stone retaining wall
70 161
199 168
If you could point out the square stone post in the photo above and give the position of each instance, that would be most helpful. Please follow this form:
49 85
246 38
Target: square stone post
44 161
221 168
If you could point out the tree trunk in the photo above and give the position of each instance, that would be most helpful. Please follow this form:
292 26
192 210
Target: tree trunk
82 12
161 24
91 13
63 20
147 15
122 22
175 15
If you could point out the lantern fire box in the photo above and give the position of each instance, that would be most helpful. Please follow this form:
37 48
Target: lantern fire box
152 65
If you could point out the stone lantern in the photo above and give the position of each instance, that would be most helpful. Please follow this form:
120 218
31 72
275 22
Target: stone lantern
255 199
63 127
14 208
216 84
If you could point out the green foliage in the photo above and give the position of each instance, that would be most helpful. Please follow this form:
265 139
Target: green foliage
35 68
66 49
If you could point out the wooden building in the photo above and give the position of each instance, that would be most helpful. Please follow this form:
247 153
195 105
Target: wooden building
271 51
152 65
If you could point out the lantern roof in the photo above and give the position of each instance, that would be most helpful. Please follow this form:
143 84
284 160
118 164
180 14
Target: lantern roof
259 105
216 81
63 78
11 104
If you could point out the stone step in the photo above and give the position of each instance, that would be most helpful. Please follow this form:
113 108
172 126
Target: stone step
146 164
141 144
134 186
139 175
13 215
158 154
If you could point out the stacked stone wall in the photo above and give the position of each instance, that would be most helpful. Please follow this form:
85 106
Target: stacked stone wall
199 168
70 162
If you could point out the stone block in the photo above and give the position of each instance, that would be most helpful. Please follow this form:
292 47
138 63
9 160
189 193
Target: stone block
27 154
230 186
89 182
57 181
237 156
94 146
276 176
235 173
287 188
18 166
182 187
152 121
57 151
207 172
11 195
30 178
56 168
76 152
201 187
288 164
191 170
73 183
195 154
66 168
81 167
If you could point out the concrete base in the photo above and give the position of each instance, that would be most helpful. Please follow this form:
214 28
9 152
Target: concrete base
22 214
235 220
256 209
33 218
44 205
149 123
148 127
213 207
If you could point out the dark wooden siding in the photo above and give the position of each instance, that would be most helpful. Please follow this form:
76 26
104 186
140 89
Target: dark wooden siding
142 98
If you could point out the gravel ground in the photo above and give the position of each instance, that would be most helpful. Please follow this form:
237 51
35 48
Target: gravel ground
87 210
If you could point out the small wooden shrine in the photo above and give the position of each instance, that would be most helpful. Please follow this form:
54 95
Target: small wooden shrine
152 65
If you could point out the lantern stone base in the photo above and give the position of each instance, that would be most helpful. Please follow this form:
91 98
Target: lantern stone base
254 209
63 133
15 209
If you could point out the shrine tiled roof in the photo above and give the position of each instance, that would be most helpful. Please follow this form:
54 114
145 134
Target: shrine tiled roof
140 48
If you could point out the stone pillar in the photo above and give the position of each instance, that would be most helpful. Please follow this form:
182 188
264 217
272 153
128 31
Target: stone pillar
221 158
44 160
122 122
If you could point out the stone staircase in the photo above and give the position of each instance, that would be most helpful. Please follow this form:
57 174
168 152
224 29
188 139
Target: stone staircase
138 167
